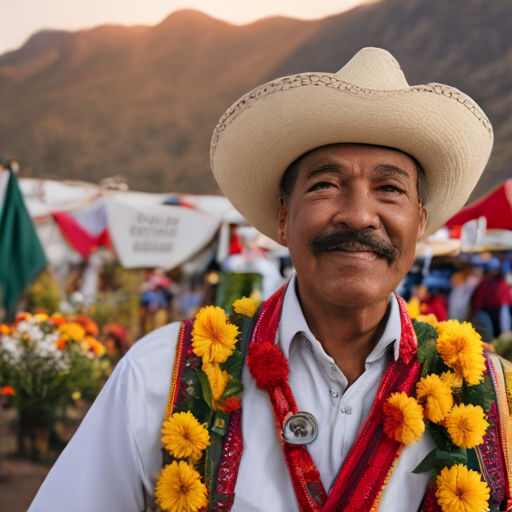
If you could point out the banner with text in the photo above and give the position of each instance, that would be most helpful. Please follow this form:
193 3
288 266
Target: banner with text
163 236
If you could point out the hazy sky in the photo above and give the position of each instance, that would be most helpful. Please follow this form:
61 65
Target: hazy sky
21 18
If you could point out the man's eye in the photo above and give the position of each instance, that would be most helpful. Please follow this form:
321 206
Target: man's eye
321 185
391 189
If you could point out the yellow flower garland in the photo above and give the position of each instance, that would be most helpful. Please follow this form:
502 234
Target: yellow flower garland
184 437
461 490
436 396
213 337
466 425
461 348
245 306
179 489
217 378
452 379
403 418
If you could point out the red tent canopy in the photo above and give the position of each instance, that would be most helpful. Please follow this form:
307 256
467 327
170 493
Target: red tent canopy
496 207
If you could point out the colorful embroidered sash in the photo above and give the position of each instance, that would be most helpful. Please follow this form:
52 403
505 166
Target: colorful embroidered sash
366 470
374 456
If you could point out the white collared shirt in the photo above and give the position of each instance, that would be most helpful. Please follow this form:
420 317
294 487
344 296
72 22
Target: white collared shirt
114 459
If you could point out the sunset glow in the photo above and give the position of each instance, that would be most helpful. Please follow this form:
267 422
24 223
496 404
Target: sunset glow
19 19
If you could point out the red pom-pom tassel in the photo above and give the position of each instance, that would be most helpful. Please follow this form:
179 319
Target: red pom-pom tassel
267 365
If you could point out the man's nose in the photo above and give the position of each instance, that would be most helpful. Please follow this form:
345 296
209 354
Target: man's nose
356 209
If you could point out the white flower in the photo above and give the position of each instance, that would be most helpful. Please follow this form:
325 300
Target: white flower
23 326
36 334
10 349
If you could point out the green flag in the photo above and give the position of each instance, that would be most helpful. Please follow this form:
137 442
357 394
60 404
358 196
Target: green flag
21 254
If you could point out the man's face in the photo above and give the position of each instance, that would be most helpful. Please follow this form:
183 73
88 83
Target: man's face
352 222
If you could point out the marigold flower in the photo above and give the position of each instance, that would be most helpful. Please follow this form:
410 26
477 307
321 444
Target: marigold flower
217 378
452 379
73 330
403 418
466 425
245 306
7 390
213 337
57 319
430 319
460 489
61 342
461 348
413 307
94 345
89 326
22 316
179 489
41 317
5 329
184 436
436 396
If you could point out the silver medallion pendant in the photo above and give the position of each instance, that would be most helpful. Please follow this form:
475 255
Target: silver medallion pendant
301 428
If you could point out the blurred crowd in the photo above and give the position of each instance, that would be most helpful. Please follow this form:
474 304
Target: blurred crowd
477 290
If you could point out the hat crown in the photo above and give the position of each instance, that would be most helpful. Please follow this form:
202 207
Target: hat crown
374 68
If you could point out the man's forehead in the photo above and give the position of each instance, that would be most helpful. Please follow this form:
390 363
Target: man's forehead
362 153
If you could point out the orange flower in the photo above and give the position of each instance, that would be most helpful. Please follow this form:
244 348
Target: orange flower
22 315
73 330
5 329
93 344
230 404
56 319
90 326
7 390
61 342
430 319
403 418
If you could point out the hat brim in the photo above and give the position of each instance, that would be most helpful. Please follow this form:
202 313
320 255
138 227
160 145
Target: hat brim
263 133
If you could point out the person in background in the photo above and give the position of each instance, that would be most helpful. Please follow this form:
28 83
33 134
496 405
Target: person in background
463 284
493 297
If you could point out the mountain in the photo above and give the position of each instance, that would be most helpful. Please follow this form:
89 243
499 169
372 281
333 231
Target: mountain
143 101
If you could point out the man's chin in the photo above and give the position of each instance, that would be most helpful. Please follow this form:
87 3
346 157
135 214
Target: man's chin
350 294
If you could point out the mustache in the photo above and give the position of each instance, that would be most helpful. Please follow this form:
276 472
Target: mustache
350 240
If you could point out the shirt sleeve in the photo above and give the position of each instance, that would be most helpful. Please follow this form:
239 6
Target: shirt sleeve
112 462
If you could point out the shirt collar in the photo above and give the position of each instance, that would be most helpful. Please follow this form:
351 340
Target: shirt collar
293 322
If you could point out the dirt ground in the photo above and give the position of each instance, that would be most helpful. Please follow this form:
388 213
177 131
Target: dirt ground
20 478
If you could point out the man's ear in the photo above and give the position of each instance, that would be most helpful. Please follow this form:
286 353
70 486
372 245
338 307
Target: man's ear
282 221
423 223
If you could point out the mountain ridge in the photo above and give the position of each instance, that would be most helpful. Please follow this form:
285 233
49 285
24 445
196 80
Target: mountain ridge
143 101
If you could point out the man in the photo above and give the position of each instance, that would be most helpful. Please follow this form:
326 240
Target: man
350 171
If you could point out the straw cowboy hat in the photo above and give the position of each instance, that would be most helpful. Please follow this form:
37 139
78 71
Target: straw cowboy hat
369 102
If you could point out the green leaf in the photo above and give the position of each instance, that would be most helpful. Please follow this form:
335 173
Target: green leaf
437 458
424 332
429 358
482 394
234 364
213 456
205 386
442 438
428 463
233 388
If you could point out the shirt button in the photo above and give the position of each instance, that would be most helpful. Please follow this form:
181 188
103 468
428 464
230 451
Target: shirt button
334 393
345 409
